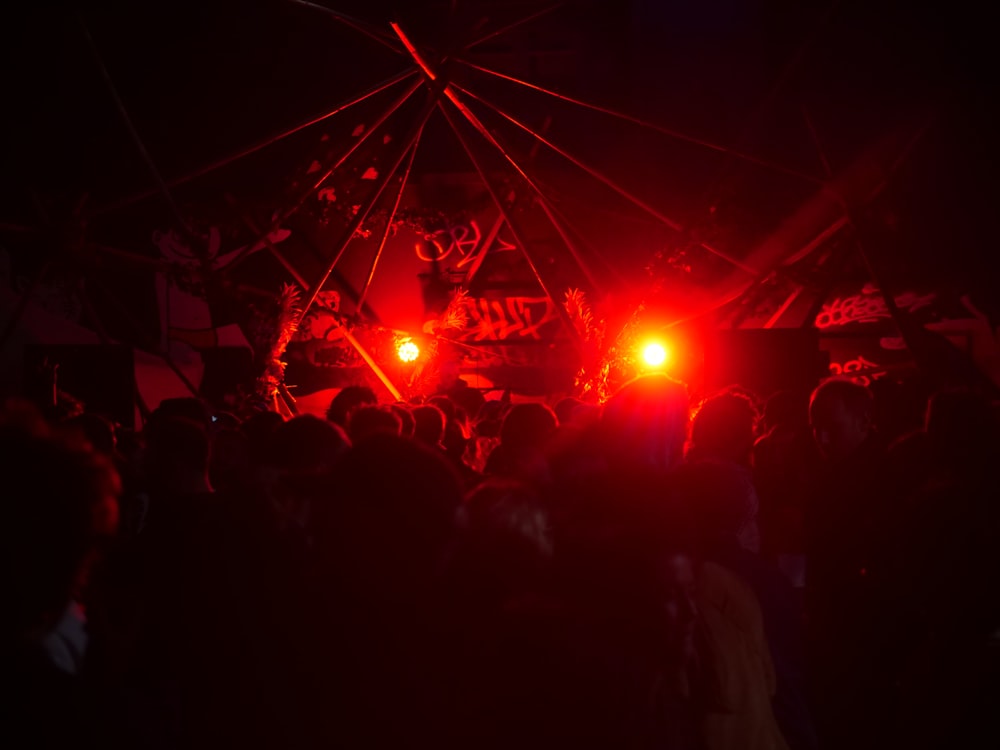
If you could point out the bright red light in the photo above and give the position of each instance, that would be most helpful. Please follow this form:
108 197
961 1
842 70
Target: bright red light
407 351
654 354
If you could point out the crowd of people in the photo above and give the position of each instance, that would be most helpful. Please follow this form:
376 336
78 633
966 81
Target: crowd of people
801 572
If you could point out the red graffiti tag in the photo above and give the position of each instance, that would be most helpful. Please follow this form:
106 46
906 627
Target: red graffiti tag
866 370
867 308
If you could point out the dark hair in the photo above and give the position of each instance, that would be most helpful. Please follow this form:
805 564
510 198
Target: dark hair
174 443
371 418
187 407
407 424
527 426
855 397
429 422
723 428
350 397
307 444
61 502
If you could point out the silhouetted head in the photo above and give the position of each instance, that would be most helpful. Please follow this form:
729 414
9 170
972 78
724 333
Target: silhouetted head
723 428
840 413
394 515
187 407
177 455
527 427
406 422
259 428
565 407
504 541
308 444
429 423
645 422
786 409
59 502
350 397
368 419
445 404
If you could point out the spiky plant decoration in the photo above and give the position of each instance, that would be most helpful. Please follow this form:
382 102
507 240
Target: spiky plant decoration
275 329
591 335
610 365
456 316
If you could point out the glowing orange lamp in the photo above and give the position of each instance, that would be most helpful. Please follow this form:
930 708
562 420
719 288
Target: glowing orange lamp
407 351
654 355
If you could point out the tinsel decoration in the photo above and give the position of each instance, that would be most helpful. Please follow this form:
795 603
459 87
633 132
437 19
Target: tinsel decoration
274 330
611 366
455 316
582 317
591 335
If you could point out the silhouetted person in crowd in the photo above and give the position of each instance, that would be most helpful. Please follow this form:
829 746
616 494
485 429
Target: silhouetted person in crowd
485 433
722 431
785 463
565 408
710 495
406 423
229 466
456 388
379 554
60 508
846 542
947 562
525 431
369 419
505 627
348 398
305 452
645 423
458 444
185 407
204 600
429 423
445 404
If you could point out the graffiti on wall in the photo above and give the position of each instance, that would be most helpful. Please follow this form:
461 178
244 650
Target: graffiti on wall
462 243
867 307
860 369
510 319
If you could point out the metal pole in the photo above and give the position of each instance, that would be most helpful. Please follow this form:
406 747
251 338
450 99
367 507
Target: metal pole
227 160
388 227
513 227
355 145
478 125
650 125
362 214
597 175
